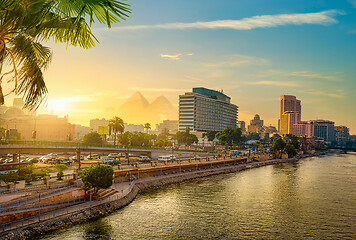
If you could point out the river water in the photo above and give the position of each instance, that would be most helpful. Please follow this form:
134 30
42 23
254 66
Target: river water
313 199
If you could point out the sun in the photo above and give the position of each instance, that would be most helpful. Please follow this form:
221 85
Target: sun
59 106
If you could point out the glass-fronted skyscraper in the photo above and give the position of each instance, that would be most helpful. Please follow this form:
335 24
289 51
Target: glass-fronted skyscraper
205 109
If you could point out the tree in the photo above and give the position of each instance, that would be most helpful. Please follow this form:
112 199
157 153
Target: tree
140 139
92 138
25 24
292 139
60 168
97 176
116 125
253 136
125 139
162 142
211 135
186 137
230 136
278 146
191 139
147 126
164 134
290 150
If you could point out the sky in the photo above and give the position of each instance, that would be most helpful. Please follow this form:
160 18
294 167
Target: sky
253 50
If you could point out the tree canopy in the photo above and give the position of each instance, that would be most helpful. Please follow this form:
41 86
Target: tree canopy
92 138
186 137
230 136
26 24
97 176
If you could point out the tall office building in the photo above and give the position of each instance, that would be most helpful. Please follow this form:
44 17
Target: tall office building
290 114
206 110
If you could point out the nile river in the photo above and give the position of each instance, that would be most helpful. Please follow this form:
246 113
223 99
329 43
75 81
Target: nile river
314 199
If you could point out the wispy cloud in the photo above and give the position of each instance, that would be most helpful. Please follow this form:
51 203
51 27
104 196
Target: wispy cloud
237 60
262 21
176 56
274 83
353 2
337 94
171 57
308 74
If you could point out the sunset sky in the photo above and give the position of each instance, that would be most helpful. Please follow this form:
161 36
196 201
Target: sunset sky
255 50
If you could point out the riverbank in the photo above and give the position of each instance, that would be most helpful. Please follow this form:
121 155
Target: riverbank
137 186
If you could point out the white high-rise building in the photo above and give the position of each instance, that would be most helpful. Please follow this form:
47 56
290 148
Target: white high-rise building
206 110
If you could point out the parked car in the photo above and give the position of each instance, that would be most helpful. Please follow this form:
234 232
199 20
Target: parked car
144 159
93 156
110 161
74 158
114 155
167 158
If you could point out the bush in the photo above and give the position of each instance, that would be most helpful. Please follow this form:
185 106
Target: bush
97 176
60 168
9 176
92 138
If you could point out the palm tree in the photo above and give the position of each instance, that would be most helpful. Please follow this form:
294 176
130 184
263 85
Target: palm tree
116 125
25 24
147 126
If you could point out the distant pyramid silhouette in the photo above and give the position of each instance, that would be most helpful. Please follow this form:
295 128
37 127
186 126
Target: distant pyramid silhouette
161 103
137 100
137 109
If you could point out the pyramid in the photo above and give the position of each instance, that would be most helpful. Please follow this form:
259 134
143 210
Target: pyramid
137 100
138 110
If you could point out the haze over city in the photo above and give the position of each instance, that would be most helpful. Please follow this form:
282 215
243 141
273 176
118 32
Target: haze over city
255 54
166 119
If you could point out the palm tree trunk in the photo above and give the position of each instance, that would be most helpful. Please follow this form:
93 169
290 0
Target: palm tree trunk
115 140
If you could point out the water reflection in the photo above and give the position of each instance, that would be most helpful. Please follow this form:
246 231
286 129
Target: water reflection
314 198
99 229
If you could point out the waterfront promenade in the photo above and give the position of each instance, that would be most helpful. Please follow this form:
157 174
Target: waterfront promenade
126 192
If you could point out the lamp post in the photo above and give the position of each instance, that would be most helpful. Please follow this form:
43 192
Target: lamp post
39 206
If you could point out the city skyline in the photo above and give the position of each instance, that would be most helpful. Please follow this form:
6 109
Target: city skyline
255 54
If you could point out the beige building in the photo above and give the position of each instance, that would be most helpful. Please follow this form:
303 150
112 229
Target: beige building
171 125
290 114
256 124
47 127
96 123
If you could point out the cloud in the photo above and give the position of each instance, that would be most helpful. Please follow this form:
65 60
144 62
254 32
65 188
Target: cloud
274 83
314 75
171 57
237 60
262 21
353 2
340 94
175 57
